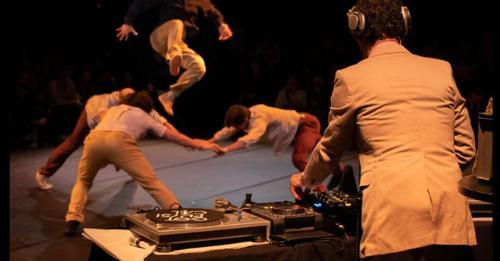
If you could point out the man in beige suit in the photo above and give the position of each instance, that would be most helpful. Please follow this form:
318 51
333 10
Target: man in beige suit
413 134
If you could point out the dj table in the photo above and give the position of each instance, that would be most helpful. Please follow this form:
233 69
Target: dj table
295 231
333 249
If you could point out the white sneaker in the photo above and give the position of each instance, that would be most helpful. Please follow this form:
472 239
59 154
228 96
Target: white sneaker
167 100
42 181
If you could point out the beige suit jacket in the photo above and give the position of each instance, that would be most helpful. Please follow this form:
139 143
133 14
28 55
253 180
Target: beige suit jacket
413 133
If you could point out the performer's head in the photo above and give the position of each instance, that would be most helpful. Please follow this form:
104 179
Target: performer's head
237 116
372 20
141 100
124 93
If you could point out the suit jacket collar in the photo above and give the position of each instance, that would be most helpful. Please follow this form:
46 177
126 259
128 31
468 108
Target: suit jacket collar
387 48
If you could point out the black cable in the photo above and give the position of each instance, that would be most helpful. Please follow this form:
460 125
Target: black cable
341 182
359 228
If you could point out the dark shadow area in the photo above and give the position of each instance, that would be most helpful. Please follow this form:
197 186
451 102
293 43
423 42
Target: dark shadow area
273 41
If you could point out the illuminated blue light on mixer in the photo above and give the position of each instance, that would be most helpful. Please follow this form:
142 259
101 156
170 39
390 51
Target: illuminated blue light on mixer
318 204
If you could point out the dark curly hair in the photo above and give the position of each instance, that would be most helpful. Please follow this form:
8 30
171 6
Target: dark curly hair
383 19
236 115
141 100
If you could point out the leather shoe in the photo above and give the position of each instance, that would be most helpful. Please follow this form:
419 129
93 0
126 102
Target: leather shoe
72 228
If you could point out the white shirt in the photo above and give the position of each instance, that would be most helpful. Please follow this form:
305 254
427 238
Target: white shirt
131 120
99 103
267 124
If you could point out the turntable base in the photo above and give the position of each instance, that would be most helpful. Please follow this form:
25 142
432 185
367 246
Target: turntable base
173 229
286 216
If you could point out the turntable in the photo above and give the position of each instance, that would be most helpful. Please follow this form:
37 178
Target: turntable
285 216
173 229
341 210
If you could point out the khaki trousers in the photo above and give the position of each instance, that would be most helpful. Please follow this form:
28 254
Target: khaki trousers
120 149
167 40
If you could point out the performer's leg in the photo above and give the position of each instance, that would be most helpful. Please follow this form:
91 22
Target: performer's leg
306 138
59 155
93 159
167 40
175 29
195 69
64 150
129 157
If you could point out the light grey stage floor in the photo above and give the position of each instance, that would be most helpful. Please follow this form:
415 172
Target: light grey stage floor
196 178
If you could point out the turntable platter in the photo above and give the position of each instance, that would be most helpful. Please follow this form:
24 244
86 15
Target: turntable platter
185 216
287 208
286 216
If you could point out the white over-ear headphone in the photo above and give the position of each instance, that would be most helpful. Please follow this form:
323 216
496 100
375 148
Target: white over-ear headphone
356 19
406 18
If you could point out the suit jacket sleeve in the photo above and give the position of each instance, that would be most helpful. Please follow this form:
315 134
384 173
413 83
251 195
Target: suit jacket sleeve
336 138
465 148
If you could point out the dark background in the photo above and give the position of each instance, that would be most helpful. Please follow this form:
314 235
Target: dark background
312 37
